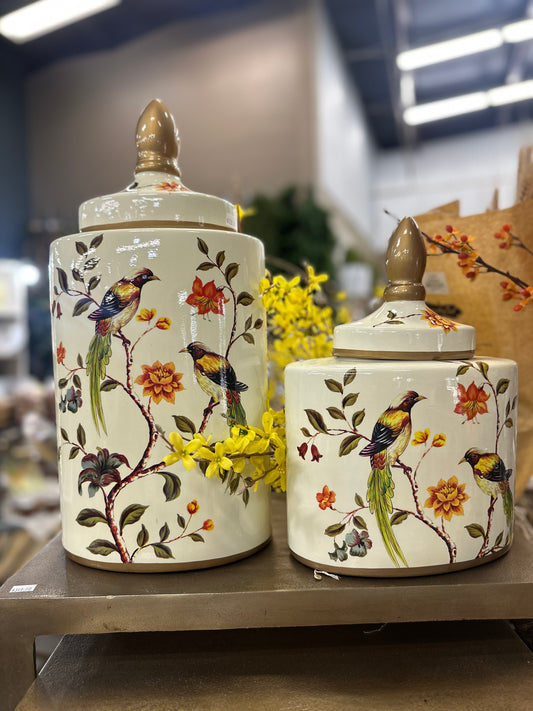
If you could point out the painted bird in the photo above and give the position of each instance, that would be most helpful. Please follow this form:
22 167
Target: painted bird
118 307
390 437
492 477
217 379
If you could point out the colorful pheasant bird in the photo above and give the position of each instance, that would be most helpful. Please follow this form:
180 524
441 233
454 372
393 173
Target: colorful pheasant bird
390 437
118 307
492 477
217 379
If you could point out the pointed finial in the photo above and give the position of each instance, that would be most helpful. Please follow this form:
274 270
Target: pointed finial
405 263
157 140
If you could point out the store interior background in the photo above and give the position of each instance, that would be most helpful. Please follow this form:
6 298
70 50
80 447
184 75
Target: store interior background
267 94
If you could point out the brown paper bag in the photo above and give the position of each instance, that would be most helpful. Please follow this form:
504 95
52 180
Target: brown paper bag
483 302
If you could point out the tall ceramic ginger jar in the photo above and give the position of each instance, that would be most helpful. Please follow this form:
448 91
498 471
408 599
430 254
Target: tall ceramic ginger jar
401 448
157 329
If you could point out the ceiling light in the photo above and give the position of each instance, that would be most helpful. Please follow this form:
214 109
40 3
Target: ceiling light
44 16
435 110
510 93
450 49
518 31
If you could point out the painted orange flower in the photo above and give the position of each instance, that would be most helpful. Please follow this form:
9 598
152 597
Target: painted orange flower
61 352
420 437
208 525
163 323
326 498
160 382
436 321
447 498
172 187
193 506
145 315
439 440
472 401
206 297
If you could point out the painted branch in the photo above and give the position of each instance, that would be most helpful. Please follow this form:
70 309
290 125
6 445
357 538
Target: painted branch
490 511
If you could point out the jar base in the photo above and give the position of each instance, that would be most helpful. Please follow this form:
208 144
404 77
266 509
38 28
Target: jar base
166 567
401 572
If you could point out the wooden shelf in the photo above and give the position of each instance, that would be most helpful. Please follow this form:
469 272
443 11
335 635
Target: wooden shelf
268 590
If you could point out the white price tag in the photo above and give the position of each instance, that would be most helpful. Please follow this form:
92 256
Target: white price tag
22 588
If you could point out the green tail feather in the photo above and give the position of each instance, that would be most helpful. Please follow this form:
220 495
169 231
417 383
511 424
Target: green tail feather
379 496
508 507
97 359
236 413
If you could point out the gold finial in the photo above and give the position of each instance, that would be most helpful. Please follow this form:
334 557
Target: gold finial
405 263
157 140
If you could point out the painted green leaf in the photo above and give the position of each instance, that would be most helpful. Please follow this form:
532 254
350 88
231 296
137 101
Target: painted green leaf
360 522
108 385
196 537
499 538
357 418
80 435
62 278
76 381
508 422
483 368
131 514
359 500
77 275
399 517
246 496
335 529
475 530
348 444
164 532
202 246
508 408
81 306
93 282
62 382
349 376
162 551
231 271
333 385
305 432
462 369
349 399
248 324
90 517
91 263
514 403
205 266
172 485
316 420
503 384
336 413
64 434
184 424
79 360
258 323
245 298
219 259
96 241
248 338
102 547
143 536
181 521
81 248
394 322
74 451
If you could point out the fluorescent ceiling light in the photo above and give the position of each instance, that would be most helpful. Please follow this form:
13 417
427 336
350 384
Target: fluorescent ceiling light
518 31
44 16
456 105
435 110
450 49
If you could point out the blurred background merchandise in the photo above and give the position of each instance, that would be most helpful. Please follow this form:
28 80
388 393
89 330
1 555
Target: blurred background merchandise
310 114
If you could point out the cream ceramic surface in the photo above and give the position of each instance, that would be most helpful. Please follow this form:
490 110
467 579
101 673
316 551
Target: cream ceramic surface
439 515
148 383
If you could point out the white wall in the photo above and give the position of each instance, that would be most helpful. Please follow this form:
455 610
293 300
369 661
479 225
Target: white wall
238 84
467 167
344 146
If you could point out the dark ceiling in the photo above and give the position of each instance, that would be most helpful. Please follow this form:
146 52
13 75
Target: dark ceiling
370 32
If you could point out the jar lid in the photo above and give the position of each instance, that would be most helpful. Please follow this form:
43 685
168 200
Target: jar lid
157 194
404 327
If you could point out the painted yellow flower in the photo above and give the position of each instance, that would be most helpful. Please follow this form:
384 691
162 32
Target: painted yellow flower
146 315
437 321
447 498
217 459
163 323
439 440
208 525
420 437
182 452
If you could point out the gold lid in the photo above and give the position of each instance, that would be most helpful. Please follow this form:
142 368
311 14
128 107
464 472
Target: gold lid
405 263
157 140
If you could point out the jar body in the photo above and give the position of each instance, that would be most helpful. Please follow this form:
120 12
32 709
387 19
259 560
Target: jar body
377 490
122 507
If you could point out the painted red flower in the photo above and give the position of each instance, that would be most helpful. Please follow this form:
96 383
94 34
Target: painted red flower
302 450
192 507
472 401
61 353
326 498
315 454
208 525
206 297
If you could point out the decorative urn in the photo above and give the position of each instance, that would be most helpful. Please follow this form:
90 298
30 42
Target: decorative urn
160 349
401 447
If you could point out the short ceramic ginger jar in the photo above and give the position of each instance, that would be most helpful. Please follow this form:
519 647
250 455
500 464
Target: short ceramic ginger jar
157 329
401 447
